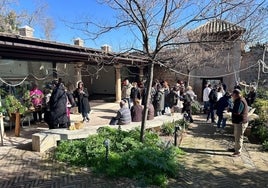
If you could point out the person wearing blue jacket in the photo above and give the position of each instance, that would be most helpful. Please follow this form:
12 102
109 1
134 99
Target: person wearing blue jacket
225 103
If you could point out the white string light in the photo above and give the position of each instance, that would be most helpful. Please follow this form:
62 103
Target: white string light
14 85
202 76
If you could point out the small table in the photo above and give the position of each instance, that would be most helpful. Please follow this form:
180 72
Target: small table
17 118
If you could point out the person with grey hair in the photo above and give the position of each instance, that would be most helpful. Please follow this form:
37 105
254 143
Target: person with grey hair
126 91
123 116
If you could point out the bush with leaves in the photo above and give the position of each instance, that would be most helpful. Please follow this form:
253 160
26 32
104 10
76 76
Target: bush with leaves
150 162
265 145
262 93
168 127
261 106
196 107
260 126
13 105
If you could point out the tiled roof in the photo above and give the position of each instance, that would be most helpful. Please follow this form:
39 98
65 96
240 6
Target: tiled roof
217 26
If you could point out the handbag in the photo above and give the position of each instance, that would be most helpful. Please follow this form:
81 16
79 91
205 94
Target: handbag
179 104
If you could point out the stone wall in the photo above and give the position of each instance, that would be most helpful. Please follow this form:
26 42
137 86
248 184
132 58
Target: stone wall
221 66
250 59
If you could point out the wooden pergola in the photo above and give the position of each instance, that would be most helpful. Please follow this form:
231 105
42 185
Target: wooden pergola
19 47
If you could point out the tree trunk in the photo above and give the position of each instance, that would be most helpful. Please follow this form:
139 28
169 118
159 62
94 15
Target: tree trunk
147 98
188 77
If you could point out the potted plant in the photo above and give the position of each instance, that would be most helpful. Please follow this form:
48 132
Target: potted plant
14 109
13 105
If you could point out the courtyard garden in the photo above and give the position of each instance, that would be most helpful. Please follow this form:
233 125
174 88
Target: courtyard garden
117 153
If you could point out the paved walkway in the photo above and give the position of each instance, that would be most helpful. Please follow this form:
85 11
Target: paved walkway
101 115
207 163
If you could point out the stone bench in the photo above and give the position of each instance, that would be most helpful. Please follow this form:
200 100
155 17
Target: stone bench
47 139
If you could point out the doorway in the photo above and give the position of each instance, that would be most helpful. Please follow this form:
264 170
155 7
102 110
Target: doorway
212 81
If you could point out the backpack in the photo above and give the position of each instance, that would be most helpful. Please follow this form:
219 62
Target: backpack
187 99
135 93
212 96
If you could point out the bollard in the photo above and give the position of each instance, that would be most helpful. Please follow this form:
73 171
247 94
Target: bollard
177 128
106 144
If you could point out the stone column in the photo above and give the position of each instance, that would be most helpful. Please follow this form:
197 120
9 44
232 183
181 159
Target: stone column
141 73
118 91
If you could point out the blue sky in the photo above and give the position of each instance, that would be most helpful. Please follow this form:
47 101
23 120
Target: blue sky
63 11
74 10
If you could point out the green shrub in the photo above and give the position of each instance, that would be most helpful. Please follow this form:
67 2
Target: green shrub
182 123
262 93
150 162
263 132
261 106
265 145
260 125
196 107
168 128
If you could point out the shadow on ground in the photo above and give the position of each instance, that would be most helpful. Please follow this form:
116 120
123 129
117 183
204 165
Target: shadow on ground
222 177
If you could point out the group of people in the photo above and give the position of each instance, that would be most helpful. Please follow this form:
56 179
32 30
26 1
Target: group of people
162 99
218 99
56 102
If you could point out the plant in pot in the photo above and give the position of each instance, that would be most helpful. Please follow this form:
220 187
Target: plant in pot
27 100
13 105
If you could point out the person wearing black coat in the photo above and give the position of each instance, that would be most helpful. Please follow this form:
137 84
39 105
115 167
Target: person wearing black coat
251 96
135 92
212 104
187 106
58 107
81 98
225 103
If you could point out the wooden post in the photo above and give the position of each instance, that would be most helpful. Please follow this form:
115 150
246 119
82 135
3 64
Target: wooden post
17 124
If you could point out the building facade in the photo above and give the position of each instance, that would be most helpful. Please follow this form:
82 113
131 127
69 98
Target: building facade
25 60
215 57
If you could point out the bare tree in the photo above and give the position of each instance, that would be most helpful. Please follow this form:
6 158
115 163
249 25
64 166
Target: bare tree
10 19
160 25
37 16
48 27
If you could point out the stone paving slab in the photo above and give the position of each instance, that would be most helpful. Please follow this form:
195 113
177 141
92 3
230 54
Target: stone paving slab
209 164
21 167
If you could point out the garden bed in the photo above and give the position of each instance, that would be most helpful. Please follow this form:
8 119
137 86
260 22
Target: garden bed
117 153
